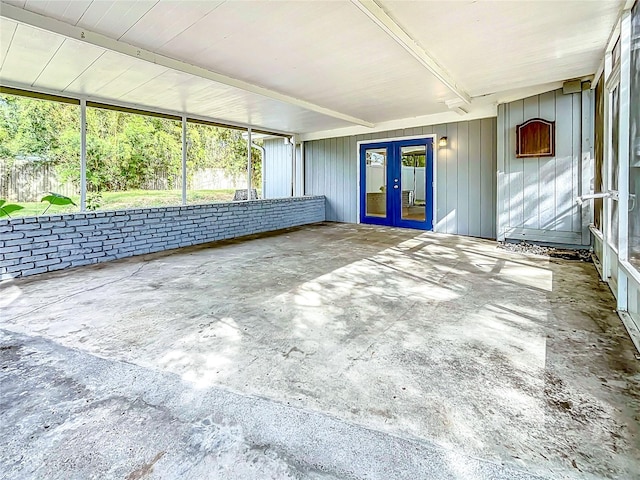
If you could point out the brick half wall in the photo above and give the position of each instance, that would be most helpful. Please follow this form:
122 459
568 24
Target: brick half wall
34 245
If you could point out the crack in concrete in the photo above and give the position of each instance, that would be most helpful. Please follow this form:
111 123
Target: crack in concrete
85 290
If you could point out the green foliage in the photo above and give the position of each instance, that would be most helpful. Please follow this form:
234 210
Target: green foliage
94 200
56 199
124 151
7 208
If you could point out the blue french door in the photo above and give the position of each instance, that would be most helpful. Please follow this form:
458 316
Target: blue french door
396 183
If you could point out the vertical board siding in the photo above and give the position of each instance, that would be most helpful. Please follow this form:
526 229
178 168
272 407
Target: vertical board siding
464 174
488 171
278 172
516 172
541 193
531 108
564 156
547 172
451 223
475 177
463 193
442 214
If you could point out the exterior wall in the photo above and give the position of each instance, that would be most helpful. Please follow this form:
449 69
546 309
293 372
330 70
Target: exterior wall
277 174
465 175
537 196
34 245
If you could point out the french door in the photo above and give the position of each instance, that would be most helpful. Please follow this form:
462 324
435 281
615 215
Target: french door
396 183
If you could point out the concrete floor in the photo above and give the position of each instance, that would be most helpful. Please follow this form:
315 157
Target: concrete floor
331 351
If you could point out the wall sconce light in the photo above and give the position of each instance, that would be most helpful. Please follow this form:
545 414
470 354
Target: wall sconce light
442 142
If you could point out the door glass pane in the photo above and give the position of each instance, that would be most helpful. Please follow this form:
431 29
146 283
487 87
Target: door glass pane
615 134
413 179
376 178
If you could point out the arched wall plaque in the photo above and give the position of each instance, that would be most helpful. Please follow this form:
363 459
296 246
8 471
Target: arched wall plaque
536 138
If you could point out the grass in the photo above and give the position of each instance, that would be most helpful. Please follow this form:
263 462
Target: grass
129 199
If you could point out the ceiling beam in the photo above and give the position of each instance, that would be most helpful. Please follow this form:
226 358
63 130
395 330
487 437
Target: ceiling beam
372 10
52 25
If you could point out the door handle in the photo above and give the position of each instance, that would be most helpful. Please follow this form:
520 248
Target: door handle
613 194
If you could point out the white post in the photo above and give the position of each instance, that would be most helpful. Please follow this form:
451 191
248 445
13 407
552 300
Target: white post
293 166
83 155
624 157
623 137
184 160
301 188
249 164
606 202
262 167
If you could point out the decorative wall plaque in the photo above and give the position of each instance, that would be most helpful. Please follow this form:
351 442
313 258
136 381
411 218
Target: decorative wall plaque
536 138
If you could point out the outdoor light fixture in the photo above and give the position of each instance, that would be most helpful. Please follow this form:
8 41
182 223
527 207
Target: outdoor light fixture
442 142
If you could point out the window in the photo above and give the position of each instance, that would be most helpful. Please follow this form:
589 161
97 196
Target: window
217 164
39 156
133 161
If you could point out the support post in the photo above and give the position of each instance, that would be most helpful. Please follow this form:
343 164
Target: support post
248 164
623 140
301 188
293 166
606 204
83 155
184 160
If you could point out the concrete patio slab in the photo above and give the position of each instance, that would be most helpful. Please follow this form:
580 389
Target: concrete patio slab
330 351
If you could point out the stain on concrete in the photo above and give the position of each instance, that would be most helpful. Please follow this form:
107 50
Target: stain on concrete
145 469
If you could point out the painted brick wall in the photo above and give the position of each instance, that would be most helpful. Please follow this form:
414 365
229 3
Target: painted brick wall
34 245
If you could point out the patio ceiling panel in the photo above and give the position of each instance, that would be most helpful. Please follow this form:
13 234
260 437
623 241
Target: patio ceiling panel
7 30
140 73
105 75
69 61
106 69
325 52
165 21
111 18
498 46
325 65
28 54
73 67
66 10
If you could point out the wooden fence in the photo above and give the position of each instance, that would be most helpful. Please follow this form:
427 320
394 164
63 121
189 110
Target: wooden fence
29 181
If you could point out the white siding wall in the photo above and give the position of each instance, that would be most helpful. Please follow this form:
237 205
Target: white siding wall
537 196
465 174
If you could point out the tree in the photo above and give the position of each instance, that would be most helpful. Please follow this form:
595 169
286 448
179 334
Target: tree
124 150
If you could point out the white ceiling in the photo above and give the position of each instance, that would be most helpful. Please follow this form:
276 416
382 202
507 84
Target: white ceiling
324 52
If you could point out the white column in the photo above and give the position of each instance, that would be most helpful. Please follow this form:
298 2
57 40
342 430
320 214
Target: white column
184 160
624 157
606 202
293 166
302 167
249 164
83 155
623 136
